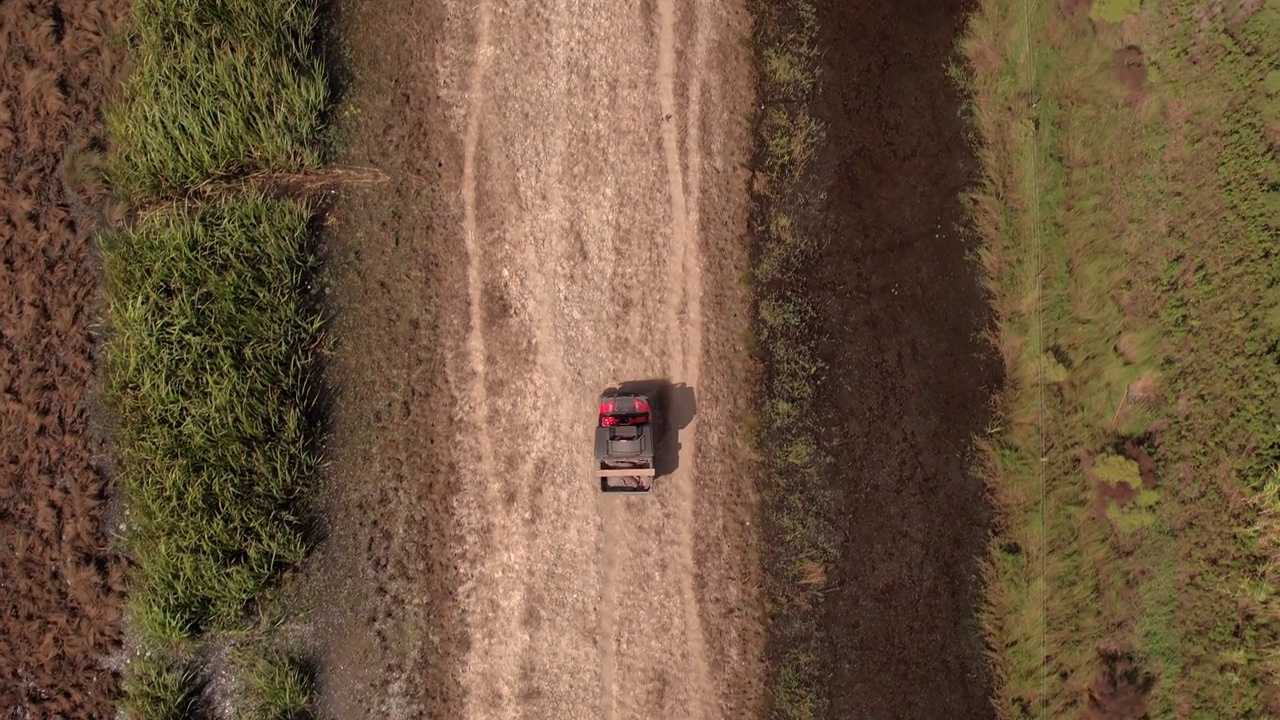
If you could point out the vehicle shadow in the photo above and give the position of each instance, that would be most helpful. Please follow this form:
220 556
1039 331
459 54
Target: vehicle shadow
676 406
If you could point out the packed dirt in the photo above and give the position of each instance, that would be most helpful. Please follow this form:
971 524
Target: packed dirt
60 583
903 321
567 212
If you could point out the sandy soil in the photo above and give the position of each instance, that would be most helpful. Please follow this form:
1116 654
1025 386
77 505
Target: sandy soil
568 213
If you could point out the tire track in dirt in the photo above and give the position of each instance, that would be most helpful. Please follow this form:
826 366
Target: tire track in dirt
608 600
686 273
527 217
501 584
581 212
490 662
543 258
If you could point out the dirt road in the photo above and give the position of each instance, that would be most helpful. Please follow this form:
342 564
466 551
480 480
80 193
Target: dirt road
572 215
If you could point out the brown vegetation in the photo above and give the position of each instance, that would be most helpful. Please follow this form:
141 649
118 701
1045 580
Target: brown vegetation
62 583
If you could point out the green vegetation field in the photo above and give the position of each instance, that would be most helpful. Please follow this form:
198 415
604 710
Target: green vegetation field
212 344
1130 212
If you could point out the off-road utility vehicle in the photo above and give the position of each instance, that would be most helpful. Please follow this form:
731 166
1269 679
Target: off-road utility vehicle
625 436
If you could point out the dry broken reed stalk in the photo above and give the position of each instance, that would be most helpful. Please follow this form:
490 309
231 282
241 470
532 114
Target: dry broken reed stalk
299 186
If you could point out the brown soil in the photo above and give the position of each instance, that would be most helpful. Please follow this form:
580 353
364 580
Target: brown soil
566 212
1119 692
1128 70
1109 493
60 582
1146 463
904 317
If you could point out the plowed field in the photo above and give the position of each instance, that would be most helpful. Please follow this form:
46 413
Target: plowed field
904 317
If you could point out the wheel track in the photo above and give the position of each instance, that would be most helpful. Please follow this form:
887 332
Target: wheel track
685 273
489 667
608 604
579 266
505 664
544 259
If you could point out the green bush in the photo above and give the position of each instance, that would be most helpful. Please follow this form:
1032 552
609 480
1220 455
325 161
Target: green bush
279 687
157 689
1114 11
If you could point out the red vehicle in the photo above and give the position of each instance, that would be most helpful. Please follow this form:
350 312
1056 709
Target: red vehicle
625 436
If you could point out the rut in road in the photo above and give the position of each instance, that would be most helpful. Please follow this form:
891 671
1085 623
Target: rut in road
686 274
581 127
489 665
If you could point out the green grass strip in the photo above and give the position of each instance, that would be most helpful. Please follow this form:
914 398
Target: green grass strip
158 688
794 505
219 88
213 338
212 347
